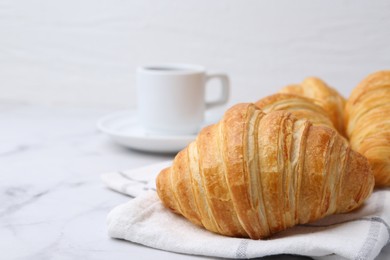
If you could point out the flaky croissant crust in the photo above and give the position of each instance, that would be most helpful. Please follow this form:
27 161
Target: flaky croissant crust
367 114
323 95
255 174
300 106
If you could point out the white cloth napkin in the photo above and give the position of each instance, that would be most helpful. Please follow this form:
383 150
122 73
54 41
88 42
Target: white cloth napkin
144 220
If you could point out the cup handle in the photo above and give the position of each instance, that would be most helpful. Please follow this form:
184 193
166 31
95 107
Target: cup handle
225 85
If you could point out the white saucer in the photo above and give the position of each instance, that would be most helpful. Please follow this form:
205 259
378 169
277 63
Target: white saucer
123 128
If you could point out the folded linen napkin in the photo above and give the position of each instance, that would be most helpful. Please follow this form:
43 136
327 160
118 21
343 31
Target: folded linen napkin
357 235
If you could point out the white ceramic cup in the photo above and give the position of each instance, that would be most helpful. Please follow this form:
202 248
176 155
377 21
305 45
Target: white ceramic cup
171 97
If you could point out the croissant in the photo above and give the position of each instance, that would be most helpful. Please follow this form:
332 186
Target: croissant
368 123
323 95
299 106
255 174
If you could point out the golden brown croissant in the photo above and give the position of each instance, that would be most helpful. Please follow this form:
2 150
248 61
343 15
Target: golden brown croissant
323 95
299 106
368 123
254 174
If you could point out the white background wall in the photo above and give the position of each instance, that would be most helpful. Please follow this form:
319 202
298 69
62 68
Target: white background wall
85 53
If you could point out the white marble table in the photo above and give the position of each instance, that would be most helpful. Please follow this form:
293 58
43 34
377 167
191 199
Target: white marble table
53 204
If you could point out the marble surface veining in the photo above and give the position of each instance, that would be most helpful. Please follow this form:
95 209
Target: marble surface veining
53 204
